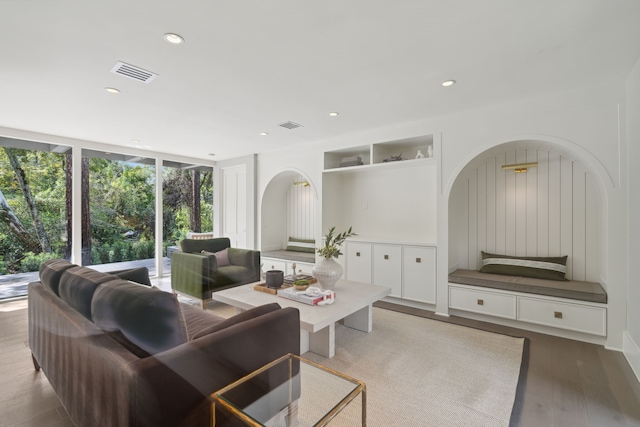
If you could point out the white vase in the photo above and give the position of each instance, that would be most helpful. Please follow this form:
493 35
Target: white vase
327 271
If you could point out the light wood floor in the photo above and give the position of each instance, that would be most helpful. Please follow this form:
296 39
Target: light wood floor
569 383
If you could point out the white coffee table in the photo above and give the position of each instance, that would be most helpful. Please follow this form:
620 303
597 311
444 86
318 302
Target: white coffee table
317 323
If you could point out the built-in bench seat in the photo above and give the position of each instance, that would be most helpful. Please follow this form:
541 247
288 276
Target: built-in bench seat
290 255
572 289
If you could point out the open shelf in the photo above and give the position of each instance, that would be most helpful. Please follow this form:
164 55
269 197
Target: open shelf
334 159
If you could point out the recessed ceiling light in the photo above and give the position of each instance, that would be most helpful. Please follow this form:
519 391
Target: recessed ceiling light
264 133
174 38
135 141
334 114
112 90
448 83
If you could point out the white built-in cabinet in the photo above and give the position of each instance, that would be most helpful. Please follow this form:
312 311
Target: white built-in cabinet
390 201
409 270
285 265
561 313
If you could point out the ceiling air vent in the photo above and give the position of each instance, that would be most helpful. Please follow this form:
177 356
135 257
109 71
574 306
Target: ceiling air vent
290 125
133 72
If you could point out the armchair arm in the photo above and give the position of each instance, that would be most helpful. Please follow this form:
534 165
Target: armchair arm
175 385
191 273
246 258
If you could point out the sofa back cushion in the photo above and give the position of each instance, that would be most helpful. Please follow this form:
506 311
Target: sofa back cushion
148 317
209 245
77 286
51 273
138 275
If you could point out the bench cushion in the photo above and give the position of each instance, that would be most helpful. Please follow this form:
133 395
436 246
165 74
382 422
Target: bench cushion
572 289
291 256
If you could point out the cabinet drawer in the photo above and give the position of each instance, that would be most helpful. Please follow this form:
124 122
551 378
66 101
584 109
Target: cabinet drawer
490 303
573 317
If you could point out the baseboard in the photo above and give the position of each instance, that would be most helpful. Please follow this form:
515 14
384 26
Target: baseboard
632 353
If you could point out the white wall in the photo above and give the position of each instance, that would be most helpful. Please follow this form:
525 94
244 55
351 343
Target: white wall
301 211
632 338
585 125
552 210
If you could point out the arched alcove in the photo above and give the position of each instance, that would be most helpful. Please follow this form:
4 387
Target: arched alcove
288 209
554 209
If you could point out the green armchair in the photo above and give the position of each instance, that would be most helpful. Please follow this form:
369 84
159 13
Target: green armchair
198 275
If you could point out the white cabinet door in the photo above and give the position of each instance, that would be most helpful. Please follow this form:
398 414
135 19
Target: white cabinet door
419 274
387 268
358 262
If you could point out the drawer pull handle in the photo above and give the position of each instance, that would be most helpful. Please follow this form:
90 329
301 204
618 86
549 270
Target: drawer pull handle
386 257
418 260
557 314
357 253
480 302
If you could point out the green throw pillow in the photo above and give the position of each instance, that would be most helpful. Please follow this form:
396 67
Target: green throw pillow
301 245
550 268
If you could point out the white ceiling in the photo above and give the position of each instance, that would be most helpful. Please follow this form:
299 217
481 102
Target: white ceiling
247 66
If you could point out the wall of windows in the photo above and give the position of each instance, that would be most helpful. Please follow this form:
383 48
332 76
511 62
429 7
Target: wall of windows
115 215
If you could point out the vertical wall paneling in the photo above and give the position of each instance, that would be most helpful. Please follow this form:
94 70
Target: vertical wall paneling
592 237
566 211
554 203
510 211
300 211
231 204
501 205
542 204
579 267
473 220
552 210
531 202
481 223
491 205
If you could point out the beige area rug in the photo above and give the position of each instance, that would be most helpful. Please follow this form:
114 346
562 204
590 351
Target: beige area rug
423 372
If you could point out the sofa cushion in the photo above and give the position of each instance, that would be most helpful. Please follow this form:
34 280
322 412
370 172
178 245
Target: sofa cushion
197 319
78 285
148 317
138 275
550 268
301 245
51 273
222 257
238 318
209 245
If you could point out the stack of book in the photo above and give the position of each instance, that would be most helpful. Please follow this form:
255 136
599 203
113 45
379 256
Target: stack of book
351 161
300 296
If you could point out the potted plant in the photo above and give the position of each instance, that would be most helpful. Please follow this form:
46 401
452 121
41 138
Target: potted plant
328 270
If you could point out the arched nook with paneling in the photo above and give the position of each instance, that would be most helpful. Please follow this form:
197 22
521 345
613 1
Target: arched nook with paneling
288 222
529 198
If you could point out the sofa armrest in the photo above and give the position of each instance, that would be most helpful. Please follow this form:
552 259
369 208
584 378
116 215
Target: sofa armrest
180 381
191 273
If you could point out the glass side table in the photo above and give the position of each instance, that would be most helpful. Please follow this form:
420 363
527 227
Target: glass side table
290 391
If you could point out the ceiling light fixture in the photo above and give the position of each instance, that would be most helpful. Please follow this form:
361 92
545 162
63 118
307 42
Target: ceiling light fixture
334 114
448 83
174 38
112 90
264 133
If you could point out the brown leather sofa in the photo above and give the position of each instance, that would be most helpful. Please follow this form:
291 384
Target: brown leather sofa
118 353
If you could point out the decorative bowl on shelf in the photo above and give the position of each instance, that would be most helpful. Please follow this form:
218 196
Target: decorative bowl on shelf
301 285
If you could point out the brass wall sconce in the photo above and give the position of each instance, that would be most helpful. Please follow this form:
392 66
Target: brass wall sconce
303 183
520 167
